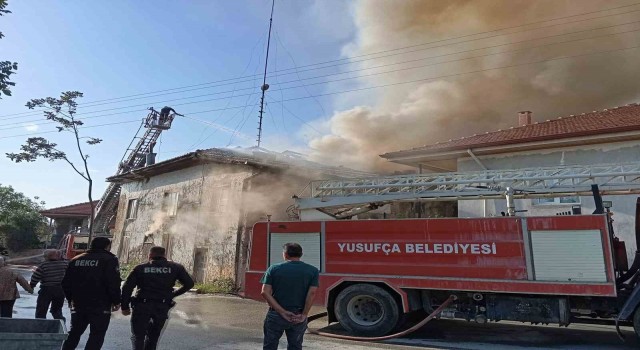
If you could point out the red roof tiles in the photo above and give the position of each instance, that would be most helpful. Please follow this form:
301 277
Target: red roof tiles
614 120
73 210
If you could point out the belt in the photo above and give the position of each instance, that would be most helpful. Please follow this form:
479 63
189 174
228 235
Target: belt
147 300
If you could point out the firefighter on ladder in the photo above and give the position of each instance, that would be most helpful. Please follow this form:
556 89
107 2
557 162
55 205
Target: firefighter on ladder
164 114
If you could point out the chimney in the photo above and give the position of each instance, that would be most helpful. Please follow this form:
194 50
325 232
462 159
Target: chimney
524 118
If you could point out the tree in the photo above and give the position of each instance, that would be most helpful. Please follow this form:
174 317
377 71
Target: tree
61 111
6 67
20 221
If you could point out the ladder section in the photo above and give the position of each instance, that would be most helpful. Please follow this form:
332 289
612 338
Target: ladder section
487 184
133 158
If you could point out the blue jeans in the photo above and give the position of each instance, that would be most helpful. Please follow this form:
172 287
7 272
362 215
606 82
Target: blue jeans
275 325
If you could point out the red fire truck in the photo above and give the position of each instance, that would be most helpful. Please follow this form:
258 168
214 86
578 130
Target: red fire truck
551 269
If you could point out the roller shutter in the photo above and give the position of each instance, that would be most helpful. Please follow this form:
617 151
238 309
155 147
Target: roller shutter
310 242
571 255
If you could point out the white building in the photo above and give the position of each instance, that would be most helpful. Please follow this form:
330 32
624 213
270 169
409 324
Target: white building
610 136
202 206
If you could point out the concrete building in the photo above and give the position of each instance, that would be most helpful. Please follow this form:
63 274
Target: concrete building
610 136
201 206
72 217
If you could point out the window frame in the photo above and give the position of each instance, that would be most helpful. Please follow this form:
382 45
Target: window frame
132 214
557 201
170 203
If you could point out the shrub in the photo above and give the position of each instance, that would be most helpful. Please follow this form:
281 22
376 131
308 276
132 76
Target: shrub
222 285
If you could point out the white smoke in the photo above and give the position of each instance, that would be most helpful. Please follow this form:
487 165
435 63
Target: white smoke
412 115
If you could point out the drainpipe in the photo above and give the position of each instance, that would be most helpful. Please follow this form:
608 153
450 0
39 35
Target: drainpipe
476 159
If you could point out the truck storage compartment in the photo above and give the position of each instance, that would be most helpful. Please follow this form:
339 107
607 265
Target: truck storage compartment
568 255
535 310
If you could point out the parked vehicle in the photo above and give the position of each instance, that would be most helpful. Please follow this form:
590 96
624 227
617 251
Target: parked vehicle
73 244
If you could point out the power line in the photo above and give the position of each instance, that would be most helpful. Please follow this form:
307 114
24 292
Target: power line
404 82
88 104
21 124
456 74
300 119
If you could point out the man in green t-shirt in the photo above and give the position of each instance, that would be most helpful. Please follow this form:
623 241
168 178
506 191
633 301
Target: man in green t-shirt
289 288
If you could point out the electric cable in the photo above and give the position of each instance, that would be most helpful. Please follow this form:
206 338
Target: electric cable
391 50
402 82
21 124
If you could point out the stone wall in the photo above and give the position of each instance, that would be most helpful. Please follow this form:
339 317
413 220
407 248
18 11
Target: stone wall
203 224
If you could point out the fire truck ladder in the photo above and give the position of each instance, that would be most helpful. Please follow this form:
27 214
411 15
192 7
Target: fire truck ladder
360 195
133 158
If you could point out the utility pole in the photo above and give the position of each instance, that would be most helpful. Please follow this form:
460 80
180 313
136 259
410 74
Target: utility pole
265 86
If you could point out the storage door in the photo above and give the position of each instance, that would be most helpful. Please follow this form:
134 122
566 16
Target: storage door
310 242
572 255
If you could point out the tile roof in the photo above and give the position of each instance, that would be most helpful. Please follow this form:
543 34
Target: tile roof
73 210
613 120
253 156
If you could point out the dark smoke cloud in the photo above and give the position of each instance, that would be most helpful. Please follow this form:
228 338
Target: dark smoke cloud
413 115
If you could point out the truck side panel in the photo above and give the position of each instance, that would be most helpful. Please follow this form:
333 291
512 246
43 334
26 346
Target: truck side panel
458 248
475 255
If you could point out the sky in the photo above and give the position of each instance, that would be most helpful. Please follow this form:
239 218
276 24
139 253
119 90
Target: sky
117 48
349 80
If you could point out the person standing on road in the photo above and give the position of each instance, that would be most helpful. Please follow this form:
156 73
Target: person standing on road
8 290
155 281
92 287
289 288
50 274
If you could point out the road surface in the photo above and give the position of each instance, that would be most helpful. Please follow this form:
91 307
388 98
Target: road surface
224 322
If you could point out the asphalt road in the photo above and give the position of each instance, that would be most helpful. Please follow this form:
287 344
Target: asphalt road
222 322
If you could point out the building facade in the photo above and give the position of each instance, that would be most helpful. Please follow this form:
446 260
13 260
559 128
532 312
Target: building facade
201 206
610 136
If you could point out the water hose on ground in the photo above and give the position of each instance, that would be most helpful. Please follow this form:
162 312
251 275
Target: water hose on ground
386 337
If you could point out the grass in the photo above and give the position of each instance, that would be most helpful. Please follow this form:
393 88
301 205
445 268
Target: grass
223 285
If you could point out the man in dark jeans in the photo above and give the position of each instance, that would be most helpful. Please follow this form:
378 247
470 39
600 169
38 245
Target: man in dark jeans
50 274
92 287
289 288
155 281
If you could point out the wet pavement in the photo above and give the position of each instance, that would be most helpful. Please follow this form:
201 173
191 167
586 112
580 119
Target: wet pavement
226 322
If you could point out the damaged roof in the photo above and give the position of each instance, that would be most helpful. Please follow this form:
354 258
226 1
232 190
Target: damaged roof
69 211
257 157
607 121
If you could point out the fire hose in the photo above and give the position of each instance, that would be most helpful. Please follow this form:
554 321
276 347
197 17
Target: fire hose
386 337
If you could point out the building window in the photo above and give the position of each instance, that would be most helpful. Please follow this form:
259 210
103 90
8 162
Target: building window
132 209
171 203
558 200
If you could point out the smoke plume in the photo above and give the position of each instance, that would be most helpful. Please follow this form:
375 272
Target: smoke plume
412 115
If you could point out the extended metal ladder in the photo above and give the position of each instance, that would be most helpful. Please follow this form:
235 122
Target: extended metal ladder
132 159
488 184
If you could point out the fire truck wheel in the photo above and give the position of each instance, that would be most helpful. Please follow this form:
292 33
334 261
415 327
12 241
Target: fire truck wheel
636 322
367 310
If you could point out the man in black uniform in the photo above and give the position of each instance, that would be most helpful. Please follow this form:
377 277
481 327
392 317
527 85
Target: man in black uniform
155 281
92 287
